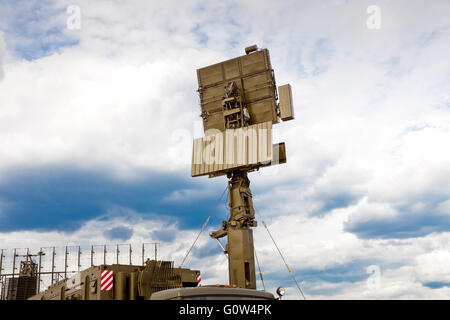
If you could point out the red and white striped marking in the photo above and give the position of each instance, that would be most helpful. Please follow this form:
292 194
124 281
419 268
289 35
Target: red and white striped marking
199 281
106 283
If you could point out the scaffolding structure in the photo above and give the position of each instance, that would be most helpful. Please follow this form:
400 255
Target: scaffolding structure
49 265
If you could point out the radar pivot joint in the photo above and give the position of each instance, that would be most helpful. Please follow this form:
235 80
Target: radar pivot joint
242 213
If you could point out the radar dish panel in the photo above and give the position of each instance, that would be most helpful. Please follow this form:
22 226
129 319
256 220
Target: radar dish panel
254 83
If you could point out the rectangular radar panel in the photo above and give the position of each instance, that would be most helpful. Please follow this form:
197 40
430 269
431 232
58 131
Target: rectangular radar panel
286 108
238 92
248 147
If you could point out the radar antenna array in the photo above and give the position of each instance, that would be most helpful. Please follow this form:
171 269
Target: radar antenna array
239 104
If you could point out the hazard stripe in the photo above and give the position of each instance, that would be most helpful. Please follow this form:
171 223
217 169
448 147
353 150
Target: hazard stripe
106 273
199 280
109 288
106 279
106 283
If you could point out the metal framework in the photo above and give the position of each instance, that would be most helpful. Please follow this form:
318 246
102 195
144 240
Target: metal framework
53 269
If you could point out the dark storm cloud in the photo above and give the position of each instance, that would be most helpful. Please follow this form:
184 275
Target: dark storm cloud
211 248
119 233
407 223
436 285
163 235
62 199
337 201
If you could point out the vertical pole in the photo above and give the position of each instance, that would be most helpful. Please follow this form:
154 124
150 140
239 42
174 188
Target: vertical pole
104 254
79 258
2 285
65 263
1 264
156 251
39 271
53 264
92 255
240 249
14 263
117 254
131 251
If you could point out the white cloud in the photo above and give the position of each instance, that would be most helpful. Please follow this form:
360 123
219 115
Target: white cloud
89 111
405 264
395 284
318 248
433 266
372 123
2 54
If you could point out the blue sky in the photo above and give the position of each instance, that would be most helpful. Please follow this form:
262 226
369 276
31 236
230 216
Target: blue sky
96 126
34 28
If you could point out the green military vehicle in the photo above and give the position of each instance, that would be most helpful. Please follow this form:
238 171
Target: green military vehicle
120 282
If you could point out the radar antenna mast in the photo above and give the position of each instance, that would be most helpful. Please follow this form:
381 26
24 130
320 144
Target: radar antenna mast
240 248
240 102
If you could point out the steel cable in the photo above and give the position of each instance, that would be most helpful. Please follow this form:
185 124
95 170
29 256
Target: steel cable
282 257
203 227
